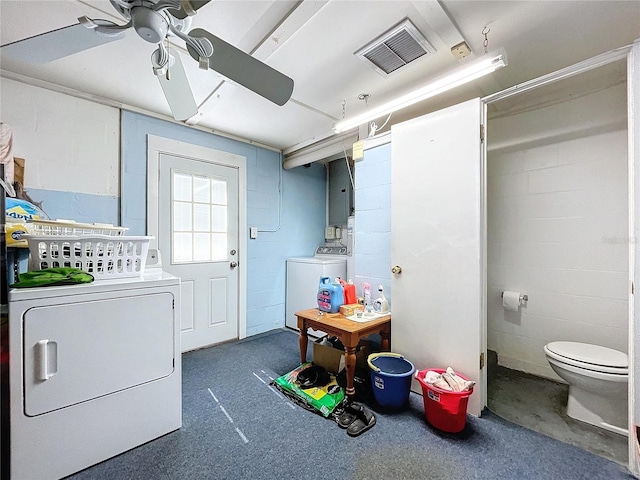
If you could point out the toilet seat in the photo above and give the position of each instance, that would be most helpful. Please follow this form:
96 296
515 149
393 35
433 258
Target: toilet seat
589 357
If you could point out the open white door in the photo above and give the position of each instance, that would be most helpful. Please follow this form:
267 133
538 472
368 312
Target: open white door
437 212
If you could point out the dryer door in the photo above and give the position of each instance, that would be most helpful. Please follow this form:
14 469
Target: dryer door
80 351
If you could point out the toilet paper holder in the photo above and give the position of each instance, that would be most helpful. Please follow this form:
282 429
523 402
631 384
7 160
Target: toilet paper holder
523 298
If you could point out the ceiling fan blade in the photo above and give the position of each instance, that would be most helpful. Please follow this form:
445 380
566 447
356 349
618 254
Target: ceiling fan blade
242 68
56 44
176 88
184 8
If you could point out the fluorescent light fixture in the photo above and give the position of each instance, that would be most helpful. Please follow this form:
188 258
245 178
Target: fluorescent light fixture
478 68
336 144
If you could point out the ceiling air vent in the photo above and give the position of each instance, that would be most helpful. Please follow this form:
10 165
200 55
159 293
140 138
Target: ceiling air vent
396 48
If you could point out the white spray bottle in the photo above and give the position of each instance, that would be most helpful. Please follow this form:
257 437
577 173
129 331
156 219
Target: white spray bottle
381 304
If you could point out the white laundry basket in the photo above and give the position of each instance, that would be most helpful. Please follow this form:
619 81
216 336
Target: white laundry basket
70 227
103 256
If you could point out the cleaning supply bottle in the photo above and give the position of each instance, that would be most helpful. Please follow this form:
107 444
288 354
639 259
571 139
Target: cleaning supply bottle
381 304
349 292
330 295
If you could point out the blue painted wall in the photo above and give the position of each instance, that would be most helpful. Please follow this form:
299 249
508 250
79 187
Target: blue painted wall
372 238
81 207
301 229
288 227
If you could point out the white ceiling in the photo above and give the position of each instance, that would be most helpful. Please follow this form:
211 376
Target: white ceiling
313 42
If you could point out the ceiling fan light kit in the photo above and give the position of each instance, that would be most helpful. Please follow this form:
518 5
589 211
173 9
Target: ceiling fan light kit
153 21
149 24
484 65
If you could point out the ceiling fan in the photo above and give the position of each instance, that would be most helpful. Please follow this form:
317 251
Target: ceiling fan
154 20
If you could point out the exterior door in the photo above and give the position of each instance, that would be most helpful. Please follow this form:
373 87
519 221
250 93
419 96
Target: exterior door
437 212
197 230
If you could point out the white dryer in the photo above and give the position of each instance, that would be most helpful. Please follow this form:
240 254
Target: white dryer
303 279
95 370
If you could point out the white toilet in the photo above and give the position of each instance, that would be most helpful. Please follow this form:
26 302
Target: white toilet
597 378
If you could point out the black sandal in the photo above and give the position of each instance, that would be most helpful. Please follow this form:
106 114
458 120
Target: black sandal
349 415
363 422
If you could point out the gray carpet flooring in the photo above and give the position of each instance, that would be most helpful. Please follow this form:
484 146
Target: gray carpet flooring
237 426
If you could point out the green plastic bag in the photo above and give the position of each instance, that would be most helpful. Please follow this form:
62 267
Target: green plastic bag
321 399
52 276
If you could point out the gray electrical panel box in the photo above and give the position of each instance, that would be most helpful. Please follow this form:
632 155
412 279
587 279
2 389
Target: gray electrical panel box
340 192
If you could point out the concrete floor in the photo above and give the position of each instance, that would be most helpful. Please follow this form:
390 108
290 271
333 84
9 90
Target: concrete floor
540 405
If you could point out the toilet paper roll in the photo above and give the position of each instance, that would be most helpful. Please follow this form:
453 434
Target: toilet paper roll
511 301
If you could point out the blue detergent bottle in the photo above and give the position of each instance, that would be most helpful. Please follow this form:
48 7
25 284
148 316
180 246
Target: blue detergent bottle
330 295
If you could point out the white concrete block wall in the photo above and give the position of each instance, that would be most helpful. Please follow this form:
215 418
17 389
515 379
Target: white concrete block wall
558 232
69 144
372 239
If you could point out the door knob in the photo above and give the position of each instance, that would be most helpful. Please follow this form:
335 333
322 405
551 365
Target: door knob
233 264
396 269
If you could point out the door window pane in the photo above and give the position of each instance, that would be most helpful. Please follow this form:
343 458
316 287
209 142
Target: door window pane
201 247
219 246
182 247
219 218
219 191
182 217
202 189
199 218
182 187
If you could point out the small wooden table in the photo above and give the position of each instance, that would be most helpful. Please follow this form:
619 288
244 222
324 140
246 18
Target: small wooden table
349 333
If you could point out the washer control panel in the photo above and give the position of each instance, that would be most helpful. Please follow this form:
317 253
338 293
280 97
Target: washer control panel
330 250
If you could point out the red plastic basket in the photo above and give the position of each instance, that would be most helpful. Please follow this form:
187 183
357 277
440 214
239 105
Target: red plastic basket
445 410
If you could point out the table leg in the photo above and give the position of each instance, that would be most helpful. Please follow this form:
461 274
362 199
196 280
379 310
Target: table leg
385 333
350 366
304 341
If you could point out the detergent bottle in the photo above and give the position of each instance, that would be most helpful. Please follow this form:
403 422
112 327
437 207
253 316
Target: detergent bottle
381 304
349 292
330 295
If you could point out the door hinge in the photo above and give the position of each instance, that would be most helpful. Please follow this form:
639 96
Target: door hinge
173 304
481 133
633 288
481 360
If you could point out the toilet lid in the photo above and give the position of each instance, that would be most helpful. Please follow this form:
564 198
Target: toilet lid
593 355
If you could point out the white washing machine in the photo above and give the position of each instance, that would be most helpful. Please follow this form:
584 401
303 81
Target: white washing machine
95 370
303 279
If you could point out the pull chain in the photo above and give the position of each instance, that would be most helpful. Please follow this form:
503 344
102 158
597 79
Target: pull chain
166 46
485 32
344 108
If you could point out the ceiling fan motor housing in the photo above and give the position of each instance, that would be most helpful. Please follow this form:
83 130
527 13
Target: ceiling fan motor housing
152 26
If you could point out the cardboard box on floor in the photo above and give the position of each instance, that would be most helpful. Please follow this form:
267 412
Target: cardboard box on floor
332 358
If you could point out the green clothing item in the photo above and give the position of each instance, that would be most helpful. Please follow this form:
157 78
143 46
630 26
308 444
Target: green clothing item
52 276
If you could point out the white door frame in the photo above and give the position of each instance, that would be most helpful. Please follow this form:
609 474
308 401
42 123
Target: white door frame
633 102
159 145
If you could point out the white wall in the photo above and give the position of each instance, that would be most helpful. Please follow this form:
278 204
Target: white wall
558 229
372 239
69 144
